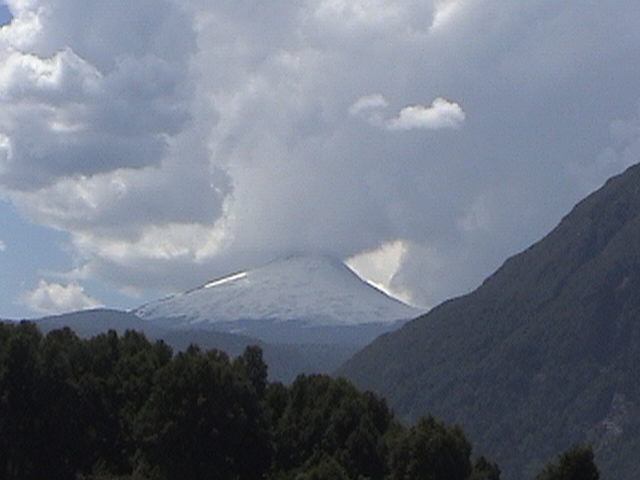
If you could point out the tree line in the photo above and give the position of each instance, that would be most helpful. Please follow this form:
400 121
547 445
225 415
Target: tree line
124 407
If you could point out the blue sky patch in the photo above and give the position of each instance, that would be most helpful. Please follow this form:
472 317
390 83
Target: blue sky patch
5 14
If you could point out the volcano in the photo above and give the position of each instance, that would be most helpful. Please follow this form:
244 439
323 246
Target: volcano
301 299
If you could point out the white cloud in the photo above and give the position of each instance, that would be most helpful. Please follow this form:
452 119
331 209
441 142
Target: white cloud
444 13
3 246
369 102
440 114
176 141
24 30
53 298
63 77
381 265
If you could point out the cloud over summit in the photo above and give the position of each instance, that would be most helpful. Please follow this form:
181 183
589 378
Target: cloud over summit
178 141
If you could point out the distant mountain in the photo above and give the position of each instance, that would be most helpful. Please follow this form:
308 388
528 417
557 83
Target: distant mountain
309 315
543 355
88 323
285 361
302 299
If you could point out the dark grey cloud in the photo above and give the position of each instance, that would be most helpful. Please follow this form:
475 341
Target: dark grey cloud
92 96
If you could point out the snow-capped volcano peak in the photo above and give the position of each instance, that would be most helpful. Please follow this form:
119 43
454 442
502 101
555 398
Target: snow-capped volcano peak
315 291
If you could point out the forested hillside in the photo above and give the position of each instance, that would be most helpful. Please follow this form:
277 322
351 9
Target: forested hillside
544 354
122 407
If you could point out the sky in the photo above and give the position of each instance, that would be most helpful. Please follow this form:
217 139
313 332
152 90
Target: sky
149 146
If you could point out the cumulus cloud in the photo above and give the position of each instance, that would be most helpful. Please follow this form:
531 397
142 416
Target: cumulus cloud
440 114
53 298
74 106
177 141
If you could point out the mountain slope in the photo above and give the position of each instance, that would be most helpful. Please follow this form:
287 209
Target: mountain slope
296 300
544 354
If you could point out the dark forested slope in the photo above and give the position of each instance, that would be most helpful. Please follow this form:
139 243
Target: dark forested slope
544 354
123 407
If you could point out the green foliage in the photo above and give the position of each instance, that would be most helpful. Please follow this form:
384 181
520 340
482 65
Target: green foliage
326 468
203 420
123 407
42 437
575 464
253 366
116 383
326 417
484 469
431 450
67 405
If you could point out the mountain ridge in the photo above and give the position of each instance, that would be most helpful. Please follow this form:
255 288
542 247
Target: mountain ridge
543 354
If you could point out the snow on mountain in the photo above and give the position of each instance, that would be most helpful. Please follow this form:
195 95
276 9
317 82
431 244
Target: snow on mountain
313 291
